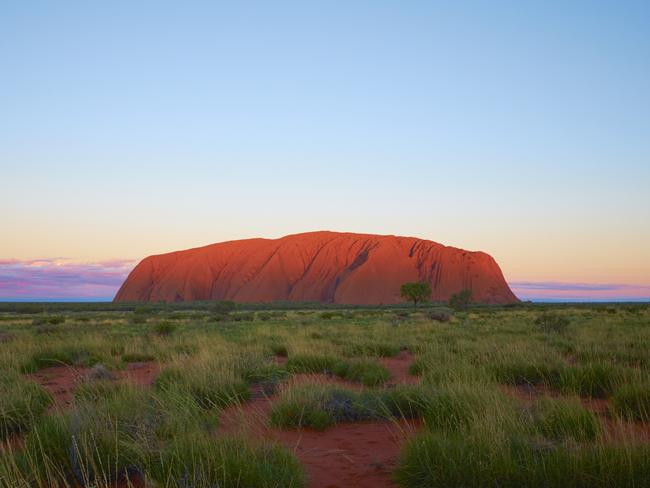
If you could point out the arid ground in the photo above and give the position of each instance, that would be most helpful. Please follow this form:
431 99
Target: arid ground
211 395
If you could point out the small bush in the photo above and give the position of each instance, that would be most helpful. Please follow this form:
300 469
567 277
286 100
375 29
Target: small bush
46 329
52 320
263 316
460 300
632 402
279 350
552 322
439 316
138 319
242 317
328 315
224 307
164 328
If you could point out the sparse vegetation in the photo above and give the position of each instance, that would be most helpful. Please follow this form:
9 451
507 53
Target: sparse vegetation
503 396
416 292
461 300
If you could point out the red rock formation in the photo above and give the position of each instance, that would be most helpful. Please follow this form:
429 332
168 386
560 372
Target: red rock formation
327 267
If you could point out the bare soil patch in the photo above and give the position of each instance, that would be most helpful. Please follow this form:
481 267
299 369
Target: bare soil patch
360 455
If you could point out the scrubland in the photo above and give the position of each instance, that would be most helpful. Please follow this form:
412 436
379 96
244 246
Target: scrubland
206 396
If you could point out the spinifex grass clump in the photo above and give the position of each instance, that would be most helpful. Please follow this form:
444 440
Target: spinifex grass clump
372 348
560 419
593 379
523 372
404 401
22 402
490 458
365 371
211 381
164 328
462 406
319 407
210 388
311 363
128 432
63 355
632 401
206 462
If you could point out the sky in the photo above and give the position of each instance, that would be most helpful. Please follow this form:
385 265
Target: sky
521 129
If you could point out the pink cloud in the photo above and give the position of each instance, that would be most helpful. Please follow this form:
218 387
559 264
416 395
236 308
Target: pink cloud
579 292
61 279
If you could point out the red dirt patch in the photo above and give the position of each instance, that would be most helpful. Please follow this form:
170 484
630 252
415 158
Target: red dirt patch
143 373
60 381
360 455
399 368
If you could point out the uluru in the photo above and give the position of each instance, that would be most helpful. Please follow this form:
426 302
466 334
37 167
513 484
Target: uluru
326 267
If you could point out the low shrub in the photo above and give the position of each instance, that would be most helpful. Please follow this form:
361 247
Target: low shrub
279 350
552 322
164 328
242 317
439 315
224 307
51 320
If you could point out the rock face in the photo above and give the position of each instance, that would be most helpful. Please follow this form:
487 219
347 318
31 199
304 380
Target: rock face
328 267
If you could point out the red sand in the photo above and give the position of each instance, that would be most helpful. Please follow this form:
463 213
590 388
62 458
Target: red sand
327 267
61 381
399 368
360 455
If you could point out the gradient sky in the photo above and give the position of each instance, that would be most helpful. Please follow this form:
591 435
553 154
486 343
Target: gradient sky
517 128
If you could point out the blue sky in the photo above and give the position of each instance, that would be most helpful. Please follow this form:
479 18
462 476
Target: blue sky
522 130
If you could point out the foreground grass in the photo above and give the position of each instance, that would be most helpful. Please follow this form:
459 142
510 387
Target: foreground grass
475 430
